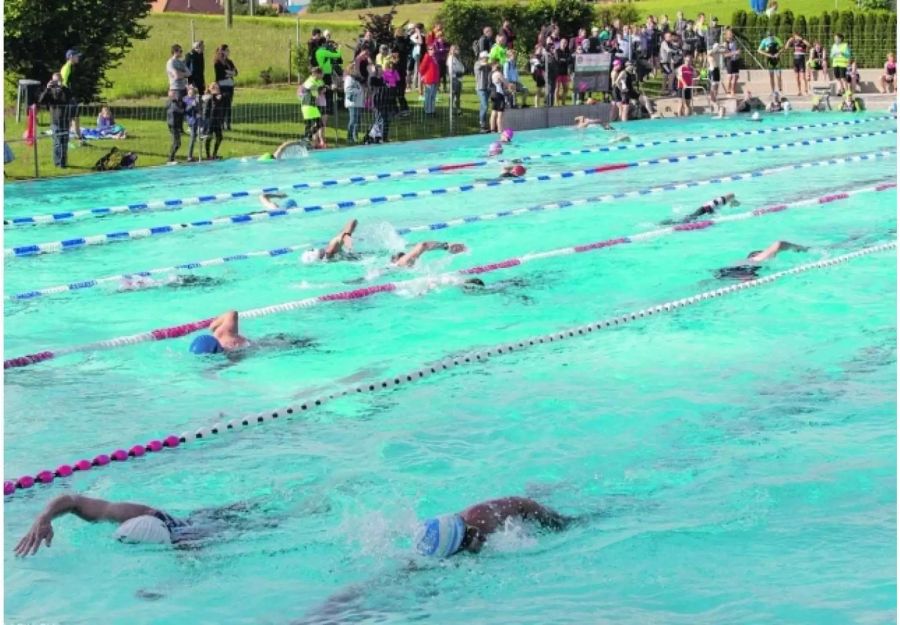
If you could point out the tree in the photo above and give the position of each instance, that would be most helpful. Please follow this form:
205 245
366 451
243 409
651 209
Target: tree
37 35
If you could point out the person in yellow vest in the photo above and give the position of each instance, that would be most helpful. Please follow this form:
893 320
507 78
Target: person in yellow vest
73 56
840 59
308 93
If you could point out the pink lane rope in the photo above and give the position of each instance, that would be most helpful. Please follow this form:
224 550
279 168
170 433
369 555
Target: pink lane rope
428 283
47 476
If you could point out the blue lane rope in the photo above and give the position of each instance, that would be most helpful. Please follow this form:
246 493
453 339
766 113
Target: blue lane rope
246 218
450 223
175 203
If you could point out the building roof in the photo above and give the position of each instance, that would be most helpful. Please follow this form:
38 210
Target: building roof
187 6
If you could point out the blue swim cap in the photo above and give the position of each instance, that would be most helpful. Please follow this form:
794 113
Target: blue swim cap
289 204
206 344
441 536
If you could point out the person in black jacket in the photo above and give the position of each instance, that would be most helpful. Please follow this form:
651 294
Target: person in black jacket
58 98
400 55
195 63
225 74
175 120
214 114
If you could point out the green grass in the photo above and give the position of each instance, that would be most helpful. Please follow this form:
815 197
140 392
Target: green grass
724 9
263 119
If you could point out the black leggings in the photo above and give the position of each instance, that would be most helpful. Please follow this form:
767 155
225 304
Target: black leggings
214 131
175 131
227 98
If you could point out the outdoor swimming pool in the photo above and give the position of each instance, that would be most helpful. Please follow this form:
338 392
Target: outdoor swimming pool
741 452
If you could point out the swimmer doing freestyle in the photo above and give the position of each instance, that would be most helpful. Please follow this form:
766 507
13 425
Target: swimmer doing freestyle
138 523
709 208
340 245
749 268
408 259
224 337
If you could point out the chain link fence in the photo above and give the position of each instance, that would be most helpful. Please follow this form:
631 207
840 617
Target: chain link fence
256 128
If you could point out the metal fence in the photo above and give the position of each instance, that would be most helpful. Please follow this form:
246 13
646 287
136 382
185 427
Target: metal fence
256 128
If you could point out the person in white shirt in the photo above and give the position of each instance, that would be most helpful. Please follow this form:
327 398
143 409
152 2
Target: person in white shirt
455 70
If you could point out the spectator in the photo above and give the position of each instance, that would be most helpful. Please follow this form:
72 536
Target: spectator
225 73
563 59
309 93
177 72
537 73
713 34
400 56
551 68
355 101
441 50
732 56
511 76
713 71
800 46
361 66
214 114
382 104
366 42
507 32
498 98
107 128
840 60
73 57
383 55
195 63
483 88
666 62
417 41
664 25
582 43
889 76
456 70
690 41
175 120
701 29
315 40
594 45
498 51
58 99
853 76
771 47
325 59
625 45
771 8
686 84
193 114
486 41
817 62
680 24
431 75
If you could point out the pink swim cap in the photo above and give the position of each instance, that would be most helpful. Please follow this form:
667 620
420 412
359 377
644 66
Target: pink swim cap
518 170
507 134
495 149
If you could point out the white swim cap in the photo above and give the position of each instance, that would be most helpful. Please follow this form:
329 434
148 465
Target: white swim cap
144 529
755 115
786 106
309 256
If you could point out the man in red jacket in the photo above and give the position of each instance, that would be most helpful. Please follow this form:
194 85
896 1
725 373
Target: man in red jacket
430 74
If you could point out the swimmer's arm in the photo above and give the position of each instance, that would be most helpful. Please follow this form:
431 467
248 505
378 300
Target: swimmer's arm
86 508
533 511
266 200
225 324
772 250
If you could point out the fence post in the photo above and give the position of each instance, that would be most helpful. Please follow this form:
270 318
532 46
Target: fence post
37 172
193 34
290 68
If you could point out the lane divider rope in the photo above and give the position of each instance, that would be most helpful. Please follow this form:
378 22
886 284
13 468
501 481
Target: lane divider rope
441 225
175 203
420 284
247 218
171 441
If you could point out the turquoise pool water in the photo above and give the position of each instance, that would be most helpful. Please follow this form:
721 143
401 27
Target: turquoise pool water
741 454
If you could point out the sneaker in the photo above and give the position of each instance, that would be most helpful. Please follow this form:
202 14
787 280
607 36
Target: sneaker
172 163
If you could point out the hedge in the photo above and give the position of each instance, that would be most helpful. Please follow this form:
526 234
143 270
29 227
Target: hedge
870 35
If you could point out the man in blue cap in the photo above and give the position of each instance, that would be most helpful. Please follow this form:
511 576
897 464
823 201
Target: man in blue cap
223 337
448 534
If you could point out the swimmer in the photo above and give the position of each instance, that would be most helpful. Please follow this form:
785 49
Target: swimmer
748 269
449 534
408 259
709 208
513 170
134 283
290 149
507 135
341 243
476 286
495 149
224 336
586 122
268 201
137 523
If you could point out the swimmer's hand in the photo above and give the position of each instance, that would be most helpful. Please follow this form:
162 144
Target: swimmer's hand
41 531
